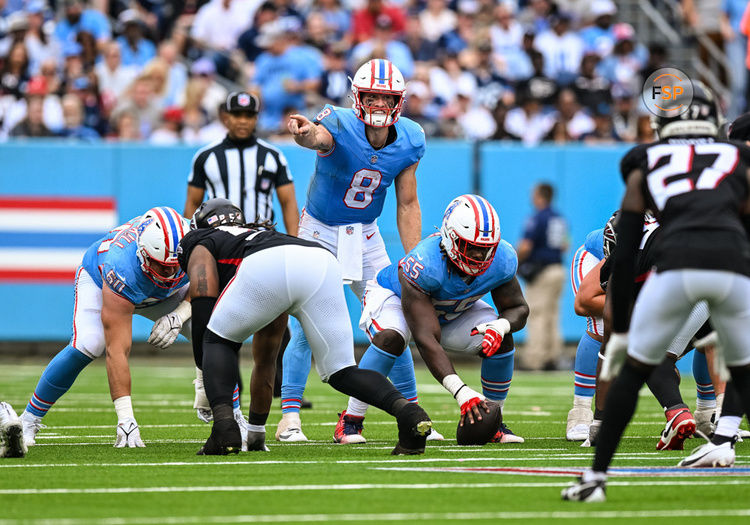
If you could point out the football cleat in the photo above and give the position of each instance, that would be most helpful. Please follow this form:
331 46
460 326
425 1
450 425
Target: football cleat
349 429
594 428
679 427
11 433
710 455
414 425
506 435
31 426
242 423
588 491
435 436
290 428
225 439
579 419
704 420
254 441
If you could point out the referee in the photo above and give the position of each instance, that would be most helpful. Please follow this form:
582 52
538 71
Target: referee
243 169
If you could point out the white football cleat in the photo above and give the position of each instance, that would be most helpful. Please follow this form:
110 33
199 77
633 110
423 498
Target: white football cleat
435 436
11 433
290 428
31 426
579 420
710 455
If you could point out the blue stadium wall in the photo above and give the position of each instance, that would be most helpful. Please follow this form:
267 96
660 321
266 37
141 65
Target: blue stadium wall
140 176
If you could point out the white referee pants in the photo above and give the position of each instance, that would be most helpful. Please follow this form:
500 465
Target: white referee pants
302 281
667 300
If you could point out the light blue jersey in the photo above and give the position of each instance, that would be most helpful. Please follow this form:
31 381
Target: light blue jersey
594 243
428 268
113 259
350 181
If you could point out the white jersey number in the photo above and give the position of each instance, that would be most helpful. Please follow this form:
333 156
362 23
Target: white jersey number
672 178
363 185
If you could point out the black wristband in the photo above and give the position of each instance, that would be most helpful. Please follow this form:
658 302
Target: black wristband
201 313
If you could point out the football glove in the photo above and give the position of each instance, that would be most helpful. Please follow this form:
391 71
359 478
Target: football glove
493 332
614 356
128 434
167 328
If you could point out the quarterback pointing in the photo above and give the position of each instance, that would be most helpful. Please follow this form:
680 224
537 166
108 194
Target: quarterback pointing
131 270
362 151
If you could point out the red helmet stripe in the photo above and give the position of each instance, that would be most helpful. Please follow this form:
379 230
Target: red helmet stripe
390 74
372 72
164 230
477 216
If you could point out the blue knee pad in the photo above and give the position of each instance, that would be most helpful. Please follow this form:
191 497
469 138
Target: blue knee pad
587 356
297 362
57 379
703 384
497 373
402 376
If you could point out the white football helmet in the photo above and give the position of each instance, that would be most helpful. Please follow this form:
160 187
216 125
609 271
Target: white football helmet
382 77
159 232
470 233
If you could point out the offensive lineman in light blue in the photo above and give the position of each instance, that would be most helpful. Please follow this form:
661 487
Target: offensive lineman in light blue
433 295
362 151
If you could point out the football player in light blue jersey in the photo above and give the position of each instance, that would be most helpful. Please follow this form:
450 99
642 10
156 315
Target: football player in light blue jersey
362 151
433 295
131 270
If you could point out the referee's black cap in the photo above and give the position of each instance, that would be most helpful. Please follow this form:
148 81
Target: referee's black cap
242 102
740 128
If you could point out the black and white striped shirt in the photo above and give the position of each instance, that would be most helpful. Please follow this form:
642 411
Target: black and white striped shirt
245 172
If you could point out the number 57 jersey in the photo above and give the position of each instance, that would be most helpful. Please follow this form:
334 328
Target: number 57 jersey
350 181
697 188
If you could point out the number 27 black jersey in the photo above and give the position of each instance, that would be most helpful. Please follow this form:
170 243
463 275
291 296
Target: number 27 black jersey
697 188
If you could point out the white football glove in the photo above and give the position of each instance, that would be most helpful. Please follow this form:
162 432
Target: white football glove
614 356
128 434
167 328
493 333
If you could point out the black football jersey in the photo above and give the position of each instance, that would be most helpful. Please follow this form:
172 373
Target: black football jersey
696 188
231 244
644 261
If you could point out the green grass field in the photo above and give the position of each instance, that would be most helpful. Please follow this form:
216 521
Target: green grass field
75 476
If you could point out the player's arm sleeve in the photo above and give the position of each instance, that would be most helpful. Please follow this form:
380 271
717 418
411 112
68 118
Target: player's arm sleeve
204 292
328 117
283 174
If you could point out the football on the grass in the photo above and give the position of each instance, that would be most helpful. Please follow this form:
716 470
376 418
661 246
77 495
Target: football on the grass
480 432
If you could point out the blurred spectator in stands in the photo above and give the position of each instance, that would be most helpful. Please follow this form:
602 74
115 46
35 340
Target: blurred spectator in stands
125 127
538 84
114 78
491 84
363 20
590 87
89 53
33 125
571 121
177 74
316 32
475 119
453 42
562 49
39 42
499 113
15 71
625 116
287 9
418 107
627 59
422 50
604 131
536 15
446 76
217 27
248 40
48 70
194 114
704 16
506 35
17 25
211 132
86 89
735 44
383 45
528 123
169 131
334 82
436 19
599 38
337 19
139 101
135 48
646 133
13 110
657 58
203 71
580 10
73 120
79 18
157 71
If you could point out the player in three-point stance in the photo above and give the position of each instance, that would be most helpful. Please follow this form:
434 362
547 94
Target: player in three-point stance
698 187
433 296
132 270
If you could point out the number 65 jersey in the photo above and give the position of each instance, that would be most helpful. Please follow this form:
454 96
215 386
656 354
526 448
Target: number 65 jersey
350 181
697 188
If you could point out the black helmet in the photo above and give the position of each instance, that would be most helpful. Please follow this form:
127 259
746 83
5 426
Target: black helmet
740 128
703 118
610 239
216 212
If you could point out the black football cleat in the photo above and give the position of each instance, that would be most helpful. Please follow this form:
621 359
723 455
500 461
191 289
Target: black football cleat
225 439
414 426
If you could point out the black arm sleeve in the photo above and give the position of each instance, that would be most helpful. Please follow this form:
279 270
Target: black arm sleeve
202 308
746 223
629 231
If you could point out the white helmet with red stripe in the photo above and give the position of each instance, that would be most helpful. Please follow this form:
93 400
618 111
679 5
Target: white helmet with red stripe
159 232
378 76
470 233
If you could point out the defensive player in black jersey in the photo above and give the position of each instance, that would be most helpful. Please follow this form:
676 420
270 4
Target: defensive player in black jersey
242 277
698 187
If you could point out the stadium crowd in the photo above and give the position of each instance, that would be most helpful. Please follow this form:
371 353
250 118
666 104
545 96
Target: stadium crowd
154 70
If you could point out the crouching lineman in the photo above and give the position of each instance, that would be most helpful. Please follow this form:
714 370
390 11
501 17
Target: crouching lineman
244 277
132 270
433 295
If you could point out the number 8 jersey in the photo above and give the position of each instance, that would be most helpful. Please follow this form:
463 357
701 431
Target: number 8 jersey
350 181
696 188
